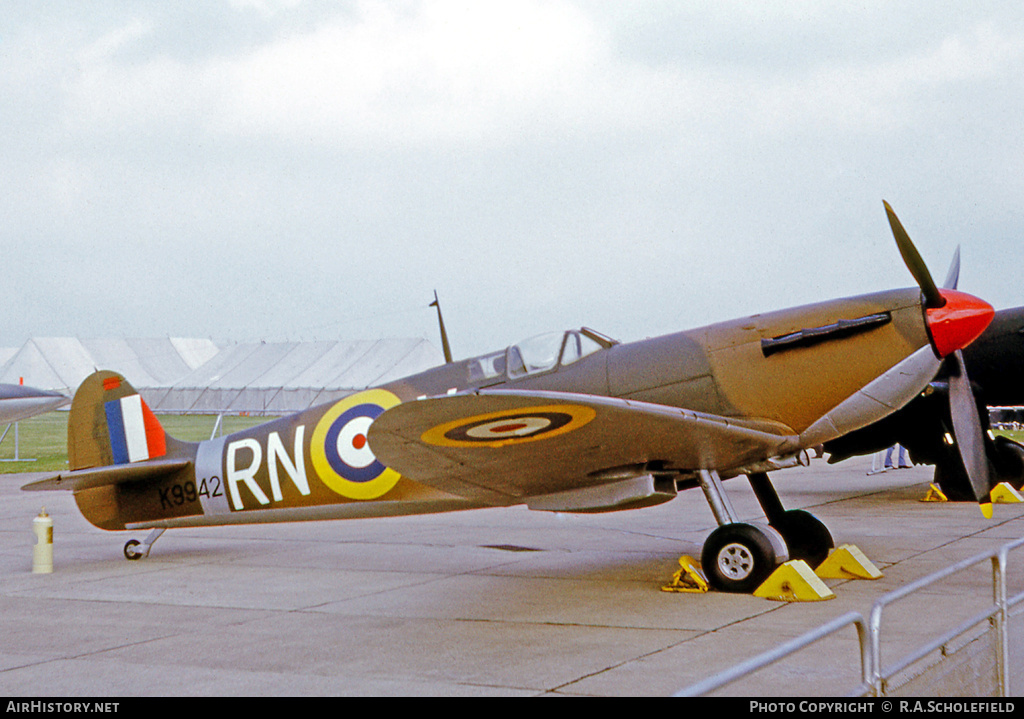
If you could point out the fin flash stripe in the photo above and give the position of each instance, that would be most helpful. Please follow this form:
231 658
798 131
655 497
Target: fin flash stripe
135 433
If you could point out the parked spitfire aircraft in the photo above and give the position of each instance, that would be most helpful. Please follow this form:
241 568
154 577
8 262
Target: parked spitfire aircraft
567 422
18 402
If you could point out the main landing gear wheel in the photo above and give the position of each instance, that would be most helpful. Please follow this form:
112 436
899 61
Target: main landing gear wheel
737 558
806 537
952 479
1009 462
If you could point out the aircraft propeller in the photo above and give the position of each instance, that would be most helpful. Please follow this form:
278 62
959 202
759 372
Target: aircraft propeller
933 299
953 276
951 317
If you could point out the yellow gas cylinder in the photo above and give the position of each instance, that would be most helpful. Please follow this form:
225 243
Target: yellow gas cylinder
42 552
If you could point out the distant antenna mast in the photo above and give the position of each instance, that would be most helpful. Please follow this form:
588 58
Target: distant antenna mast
444 335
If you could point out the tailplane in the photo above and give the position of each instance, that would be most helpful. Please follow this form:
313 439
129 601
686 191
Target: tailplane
110 424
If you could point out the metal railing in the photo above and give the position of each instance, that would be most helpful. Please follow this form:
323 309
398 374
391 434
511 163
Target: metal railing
987 629
791 647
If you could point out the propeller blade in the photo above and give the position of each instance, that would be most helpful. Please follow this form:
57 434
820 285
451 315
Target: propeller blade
970 438
916 265
953 276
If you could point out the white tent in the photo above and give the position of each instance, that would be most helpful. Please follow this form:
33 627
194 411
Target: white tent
198 376
61 363
290 376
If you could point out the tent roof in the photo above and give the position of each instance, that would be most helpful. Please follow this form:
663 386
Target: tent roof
182 374
61 363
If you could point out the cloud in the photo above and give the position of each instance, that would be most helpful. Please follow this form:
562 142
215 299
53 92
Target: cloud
446 72
490 146
410 74
886 94
266 8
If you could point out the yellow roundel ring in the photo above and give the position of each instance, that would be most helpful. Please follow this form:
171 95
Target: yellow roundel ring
509 427
340 452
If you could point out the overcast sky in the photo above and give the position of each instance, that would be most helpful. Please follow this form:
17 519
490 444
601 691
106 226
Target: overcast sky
296 169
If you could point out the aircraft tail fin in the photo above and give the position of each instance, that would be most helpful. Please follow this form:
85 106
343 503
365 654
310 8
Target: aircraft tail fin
110 424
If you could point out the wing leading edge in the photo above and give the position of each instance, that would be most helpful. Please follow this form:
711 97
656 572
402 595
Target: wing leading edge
501 447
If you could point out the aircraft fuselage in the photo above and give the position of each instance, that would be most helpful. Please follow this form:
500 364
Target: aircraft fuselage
780 372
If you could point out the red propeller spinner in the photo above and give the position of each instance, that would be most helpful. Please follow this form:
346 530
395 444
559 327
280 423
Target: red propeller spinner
958 322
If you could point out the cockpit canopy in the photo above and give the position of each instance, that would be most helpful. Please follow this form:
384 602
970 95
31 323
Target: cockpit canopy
539 354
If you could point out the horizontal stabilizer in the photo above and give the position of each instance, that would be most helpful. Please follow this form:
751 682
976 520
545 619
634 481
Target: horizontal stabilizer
102 476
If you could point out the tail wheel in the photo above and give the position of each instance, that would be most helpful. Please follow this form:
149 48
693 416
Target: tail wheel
130 551
737 558
806 537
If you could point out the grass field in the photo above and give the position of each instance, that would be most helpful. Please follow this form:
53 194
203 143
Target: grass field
44 438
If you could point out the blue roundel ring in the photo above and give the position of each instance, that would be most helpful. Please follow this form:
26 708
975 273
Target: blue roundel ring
339 465
340 450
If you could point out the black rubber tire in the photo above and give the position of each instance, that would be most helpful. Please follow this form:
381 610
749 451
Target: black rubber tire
129 550
1008 462
953 481
806 537
737 558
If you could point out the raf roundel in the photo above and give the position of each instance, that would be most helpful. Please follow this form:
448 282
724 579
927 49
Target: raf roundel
509 427
500 429
341 453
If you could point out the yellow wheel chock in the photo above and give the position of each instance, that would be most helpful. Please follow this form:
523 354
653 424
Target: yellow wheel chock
847 562
934 495
794 581
1004 493
690 578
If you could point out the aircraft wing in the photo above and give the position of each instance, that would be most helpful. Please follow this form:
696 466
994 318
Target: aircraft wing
101 476
500 447
18 402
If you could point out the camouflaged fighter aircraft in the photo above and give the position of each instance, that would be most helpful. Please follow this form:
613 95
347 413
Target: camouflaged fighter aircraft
568 422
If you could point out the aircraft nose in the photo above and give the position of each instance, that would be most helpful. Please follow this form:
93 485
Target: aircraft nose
958 322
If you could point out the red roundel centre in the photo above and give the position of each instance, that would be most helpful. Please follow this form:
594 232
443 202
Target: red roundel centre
359 441
509 427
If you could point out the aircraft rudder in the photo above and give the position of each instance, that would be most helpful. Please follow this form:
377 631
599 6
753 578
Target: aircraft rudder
109 424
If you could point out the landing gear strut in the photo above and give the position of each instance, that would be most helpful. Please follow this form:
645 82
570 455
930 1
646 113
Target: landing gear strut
806 537
738 557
